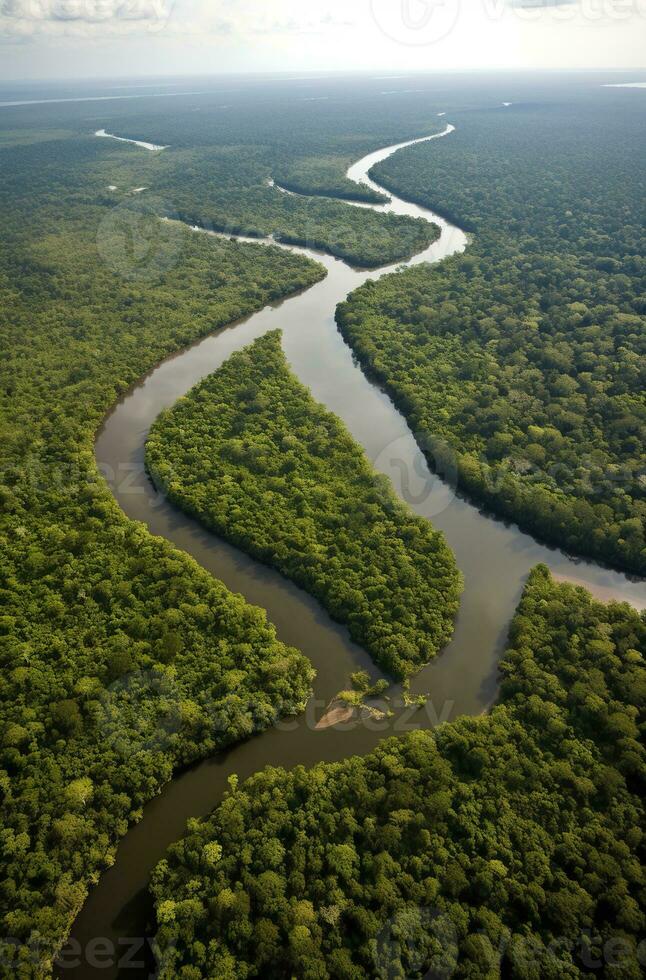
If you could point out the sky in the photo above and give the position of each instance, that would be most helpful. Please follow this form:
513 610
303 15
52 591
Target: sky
110 38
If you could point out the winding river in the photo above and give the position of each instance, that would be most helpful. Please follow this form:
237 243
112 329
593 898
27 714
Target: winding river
494 557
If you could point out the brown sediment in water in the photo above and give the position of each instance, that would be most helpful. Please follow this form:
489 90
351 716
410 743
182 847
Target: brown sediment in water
337 713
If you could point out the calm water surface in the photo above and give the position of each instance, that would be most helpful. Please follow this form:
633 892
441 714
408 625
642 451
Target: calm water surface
495 559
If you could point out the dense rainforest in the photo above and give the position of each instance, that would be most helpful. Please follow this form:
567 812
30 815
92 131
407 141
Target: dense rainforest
360 236
251 454
121 658
527 353
217 168
504 845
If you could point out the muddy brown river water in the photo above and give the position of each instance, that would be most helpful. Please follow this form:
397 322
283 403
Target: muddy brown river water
494 557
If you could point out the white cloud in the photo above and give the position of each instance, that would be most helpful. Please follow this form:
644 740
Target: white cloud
250 18
33 18
101 19
203 36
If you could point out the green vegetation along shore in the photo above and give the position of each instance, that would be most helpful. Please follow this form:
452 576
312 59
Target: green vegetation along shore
362 237
496 846
121 658
527 354
253 456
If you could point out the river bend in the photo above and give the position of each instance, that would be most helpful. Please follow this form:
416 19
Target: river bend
494 557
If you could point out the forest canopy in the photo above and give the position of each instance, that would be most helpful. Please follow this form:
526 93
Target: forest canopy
527 354
121 658
504 845
251 454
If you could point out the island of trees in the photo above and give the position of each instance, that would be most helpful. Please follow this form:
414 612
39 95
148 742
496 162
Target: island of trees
115 648
254 457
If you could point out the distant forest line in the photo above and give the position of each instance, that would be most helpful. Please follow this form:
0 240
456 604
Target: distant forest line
525 353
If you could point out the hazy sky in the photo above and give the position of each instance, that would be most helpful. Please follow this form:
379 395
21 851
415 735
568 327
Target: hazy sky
82 38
